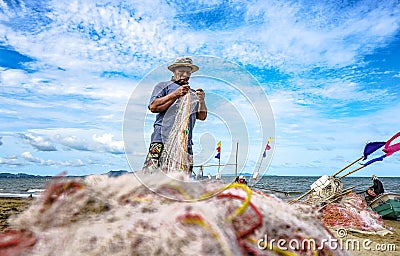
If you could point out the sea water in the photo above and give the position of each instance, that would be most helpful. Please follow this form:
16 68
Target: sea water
281 186
23 187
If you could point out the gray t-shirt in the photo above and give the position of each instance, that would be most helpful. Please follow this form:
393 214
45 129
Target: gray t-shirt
165 119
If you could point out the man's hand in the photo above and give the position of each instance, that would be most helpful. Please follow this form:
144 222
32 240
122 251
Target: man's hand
182 90
200 94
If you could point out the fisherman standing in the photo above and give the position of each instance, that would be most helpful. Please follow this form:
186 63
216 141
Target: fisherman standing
164 101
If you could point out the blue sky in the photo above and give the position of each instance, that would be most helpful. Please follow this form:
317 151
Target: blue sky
68 69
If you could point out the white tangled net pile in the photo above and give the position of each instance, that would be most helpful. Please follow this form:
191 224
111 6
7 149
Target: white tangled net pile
120 216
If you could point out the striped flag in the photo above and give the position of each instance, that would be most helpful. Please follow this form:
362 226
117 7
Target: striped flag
218 156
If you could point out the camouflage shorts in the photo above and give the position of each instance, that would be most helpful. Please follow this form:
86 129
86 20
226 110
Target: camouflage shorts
154 155
153 158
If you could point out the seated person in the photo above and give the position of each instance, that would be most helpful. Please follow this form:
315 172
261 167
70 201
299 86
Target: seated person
241 179
376 189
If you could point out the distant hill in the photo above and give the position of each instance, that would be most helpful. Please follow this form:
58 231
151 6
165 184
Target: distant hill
116 173
21 175
24 175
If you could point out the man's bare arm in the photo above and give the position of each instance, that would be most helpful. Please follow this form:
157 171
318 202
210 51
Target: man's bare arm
202 111
162 103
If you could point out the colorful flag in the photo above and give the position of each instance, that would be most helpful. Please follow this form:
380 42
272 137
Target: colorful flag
375 160
218 156
371 148
267 147
388 149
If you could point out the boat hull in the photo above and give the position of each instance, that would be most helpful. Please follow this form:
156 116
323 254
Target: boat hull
387 205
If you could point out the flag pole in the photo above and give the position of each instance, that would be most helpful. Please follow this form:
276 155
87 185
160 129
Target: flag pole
263 156
300 197
353 171
236 162
219 159
218 176
347 166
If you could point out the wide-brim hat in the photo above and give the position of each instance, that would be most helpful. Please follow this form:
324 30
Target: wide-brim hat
183 62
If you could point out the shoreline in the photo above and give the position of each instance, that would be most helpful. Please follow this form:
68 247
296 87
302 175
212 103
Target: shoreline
12 206
356 243
18 196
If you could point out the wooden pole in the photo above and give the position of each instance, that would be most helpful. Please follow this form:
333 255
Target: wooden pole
262 158
219 162
300 197
347 166
259 166
219 159
236 162
353 171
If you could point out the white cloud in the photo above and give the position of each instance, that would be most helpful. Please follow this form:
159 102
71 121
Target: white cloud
288 36
89 55
107 143
75 163
305 135
12 162
12 77
292 38
8 112
30 158
68 163
38 142
73 142
347 91
83 139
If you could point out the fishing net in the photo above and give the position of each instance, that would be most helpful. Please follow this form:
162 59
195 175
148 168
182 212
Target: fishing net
119 216
175 155
353 213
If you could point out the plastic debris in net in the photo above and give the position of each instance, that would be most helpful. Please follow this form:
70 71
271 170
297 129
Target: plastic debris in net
353 213
120 216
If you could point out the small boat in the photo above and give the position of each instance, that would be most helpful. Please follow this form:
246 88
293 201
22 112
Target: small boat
387 205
